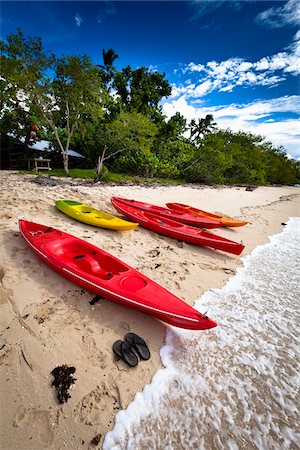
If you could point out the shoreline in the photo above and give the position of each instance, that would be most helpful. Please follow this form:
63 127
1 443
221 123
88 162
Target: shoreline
51 321
205 388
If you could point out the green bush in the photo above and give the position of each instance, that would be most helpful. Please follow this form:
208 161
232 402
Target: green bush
149 165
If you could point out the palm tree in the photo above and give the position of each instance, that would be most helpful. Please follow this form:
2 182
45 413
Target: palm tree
109 57
202 128
107 69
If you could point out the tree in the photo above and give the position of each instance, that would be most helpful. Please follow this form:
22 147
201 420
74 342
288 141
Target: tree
130 132
107 69
75 99
173 128
202 128
279 168
60 93
23 64
109 57
239 157
244 152
141 90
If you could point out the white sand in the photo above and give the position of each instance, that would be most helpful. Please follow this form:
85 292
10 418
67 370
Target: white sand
47 321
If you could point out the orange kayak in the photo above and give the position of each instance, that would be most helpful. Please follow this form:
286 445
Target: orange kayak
226 221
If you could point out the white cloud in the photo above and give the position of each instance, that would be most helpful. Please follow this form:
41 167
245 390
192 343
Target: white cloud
276 17
249 117
270 118
266 117
262 64
259 109
78 19
194 67
183 90
177 91
271 81
201 8
288 62
244 66
280 133
108 8
227 88
153 68
295 46
226 75
202 89
247 78
181 105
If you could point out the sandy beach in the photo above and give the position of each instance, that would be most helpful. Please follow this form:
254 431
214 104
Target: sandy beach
46 321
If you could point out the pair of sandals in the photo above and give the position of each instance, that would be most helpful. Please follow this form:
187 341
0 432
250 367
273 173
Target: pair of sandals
126 349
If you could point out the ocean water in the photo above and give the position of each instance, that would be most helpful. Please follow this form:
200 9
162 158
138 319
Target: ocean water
236 386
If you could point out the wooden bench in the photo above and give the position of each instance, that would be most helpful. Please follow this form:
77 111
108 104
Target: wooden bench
42 164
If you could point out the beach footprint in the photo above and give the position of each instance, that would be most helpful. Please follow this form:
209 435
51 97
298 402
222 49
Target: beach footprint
124 327
9 354
38 423
95 356
96 407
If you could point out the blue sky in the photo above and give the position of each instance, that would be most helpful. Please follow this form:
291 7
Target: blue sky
238 60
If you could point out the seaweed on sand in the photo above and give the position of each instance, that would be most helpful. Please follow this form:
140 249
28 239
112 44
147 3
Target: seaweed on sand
96 299
96 440
63 380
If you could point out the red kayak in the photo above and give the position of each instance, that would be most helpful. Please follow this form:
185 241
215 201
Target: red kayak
177 230
189 219
101 273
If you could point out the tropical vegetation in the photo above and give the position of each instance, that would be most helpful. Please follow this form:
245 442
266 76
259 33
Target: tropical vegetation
115 119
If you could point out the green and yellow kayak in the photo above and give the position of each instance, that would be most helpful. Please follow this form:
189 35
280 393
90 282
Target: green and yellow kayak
86 214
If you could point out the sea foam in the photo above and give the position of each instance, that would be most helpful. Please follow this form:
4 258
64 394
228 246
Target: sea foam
235 386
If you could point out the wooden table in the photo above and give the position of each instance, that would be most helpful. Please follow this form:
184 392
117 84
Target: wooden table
42 164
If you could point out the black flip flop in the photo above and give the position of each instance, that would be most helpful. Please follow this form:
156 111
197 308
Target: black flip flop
138 344
117 349
123 351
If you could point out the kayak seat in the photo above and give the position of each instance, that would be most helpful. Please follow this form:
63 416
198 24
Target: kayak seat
79 256
48 235
90 265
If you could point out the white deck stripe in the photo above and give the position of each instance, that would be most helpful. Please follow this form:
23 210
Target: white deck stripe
175 230
36 249
128 299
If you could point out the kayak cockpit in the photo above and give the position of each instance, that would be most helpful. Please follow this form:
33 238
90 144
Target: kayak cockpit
90 265
81 256
163 221
44 235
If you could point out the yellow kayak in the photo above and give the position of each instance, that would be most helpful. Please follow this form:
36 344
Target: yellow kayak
86 214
